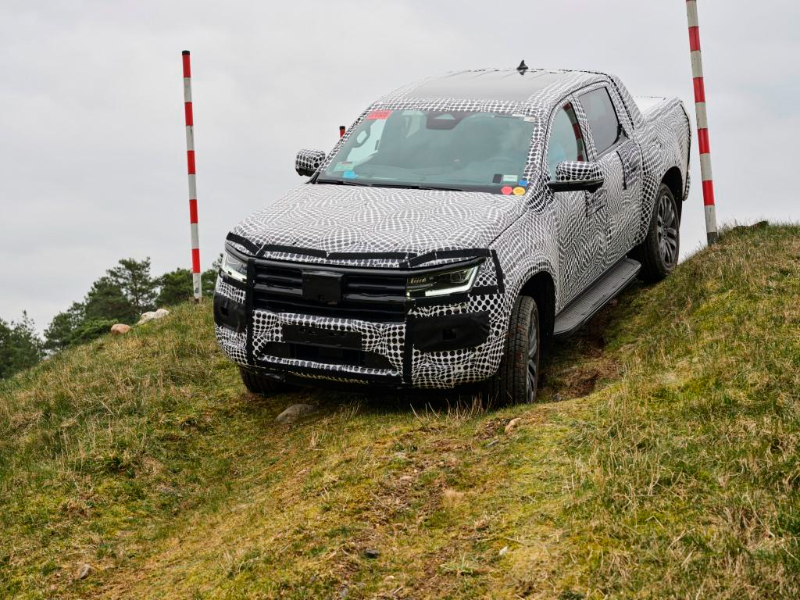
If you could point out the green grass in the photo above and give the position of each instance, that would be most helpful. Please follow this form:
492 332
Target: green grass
663 462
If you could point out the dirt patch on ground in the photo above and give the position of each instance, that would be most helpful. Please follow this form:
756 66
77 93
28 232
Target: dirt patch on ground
576 367
582 379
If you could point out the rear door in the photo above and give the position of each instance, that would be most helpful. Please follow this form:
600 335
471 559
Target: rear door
618 202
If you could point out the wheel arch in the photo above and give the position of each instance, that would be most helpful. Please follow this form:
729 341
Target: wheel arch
541 287
673 179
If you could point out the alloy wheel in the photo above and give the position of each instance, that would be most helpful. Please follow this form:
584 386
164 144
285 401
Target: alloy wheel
533 360
667 230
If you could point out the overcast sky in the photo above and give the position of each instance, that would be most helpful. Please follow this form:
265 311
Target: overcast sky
92 162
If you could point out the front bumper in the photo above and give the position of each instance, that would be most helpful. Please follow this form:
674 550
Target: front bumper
436 344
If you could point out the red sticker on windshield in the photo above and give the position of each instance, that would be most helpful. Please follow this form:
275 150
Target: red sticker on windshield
379 115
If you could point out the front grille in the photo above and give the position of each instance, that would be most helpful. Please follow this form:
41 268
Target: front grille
367 294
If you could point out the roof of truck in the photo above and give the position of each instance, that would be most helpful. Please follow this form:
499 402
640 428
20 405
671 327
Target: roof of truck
504 85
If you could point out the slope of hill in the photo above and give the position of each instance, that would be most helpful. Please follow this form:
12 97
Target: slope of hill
664 461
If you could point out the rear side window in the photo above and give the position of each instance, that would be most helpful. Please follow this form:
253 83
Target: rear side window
566 141
602 117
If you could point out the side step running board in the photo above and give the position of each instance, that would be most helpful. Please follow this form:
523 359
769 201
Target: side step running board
602 291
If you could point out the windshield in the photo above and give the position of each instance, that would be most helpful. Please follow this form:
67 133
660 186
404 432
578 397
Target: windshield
470 151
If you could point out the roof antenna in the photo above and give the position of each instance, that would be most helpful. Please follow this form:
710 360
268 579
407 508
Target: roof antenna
522 68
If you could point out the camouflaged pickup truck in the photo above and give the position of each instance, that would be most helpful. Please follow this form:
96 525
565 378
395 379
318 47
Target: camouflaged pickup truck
459 224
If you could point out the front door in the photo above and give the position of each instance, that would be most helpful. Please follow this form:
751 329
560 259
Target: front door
581 235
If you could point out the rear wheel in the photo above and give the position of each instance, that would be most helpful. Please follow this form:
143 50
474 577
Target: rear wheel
517 380
658 253
258 384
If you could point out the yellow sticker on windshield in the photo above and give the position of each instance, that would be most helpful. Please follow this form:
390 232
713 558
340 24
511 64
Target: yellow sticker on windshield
518 191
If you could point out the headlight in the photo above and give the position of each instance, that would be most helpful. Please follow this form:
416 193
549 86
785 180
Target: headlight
234 266
441 283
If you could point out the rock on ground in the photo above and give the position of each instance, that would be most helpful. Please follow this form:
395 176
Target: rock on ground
153 315
84 571
120 329
294 412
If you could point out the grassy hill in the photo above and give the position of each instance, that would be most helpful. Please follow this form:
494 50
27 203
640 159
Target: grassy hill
664 461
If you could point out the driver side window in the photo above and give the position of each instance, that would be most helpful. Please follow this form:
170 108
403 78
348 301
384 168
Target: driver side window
566 140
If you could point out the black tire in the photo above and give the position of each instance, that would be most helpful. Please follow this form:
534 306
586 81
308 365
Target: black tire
258 384
659 251
517 380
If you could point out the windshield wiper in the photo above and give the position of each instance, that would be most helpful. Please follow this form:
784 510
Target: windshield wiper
404 186
411 186
441 189
343 182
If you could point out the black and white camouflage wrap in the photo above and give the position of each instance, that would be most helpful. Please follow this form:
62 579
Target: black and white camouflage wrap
308 161
573 237
569 171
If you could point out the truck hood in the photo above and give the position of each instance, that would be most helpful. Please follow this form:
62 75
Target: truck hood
338 218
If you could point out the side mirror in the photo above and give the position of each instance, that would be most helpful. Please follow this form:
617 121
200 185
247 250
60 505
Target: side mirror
308 161
574 176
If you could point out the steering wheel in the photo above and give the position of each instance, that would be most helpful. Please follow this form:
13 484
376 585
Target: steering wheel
505 162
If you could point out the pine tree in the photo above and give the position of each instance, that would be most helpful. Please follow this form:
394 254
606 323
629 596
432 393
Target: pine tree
133 278
20 346
107 301
176 287
60 332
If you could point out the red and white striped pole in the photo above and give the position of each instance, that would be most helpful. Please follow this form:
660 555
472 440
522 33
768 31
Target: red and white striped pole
702 121
187 100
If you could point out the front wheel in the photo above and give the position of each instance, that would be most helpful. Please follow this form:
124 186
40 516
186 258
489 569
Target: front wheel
517 380
258 384
658 253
